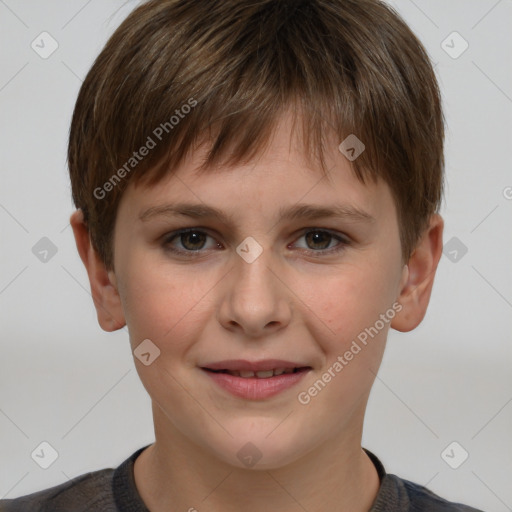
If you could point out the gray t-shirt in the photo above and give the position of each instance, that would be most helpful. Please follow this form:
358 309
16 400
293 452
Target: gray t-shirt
114 490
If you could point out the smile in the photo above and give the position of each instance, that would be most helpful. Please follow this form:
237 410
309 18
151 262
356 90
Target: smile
262 374
255 381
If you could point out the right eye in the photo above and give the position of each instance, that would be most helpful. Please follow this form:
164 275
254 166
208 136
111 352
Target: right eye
192 240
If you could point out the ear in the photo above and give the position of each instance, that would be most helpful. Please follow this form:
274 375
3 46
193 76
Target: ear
103 282
418 277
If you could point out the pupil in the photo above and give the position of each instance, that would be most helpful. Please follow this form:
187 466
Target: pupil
314 237
195 239
317 237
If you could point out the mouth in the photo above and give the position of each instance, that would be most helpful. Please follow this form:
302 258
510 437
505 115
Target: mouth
261 374
255 380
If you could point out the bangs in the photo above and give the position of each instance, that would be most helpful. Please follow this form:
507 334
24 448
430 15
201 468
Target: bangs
177 75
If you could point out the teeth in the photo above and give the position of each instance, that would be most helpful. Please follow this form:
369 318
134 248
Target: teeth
263 374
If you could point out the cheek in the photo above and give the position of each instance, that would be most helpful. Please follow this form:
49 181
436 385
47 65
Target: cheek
164 306
342 305
170 309
346 322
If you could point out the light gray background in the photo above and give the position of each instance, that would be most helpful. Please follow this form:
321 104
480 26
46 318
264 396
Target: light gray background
65 381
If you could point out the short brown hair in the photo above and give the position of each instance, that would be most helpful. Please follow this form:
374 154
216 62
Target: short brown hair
223 72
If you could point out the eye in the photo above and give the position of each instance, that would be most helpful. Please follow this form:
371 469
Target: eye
191 241
321 241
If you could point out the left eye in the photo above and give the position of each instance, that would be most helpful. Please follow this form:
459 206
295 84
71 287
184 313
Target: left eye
194 240
321 239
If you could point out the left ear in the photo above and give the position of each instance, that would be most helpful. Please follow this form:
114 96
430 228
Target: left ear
418 277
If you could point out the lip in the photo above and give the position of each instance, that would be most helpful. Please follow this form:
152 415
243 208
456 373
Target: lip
255 388
254 366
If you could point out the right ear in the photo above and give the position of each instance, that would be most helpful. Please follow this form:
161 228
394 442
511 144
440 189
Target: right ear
105 294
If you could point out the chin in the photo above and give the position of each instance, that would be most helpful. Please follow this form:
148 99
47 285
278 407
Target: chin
259 450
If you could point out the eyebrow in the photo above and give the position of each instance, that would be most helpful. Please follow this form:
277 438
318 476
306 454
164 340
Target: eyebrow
298 211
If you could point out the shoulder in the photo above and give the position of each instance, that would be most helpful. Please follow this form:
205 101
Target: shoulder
90 491
421 499
399 495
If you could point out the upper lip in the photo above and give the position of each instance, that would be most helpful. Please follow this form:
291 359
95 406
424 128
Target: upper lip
254 366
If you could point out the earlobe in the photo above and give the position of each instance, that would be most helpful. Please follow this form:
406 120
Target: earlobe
103 282
418 277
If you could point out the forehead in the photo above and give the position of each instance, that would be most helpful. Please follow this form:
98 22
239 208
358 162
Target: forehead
279 177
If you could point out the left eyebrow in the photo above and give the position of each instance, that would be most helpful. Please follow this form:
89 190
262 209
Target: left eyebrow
299 211
312 212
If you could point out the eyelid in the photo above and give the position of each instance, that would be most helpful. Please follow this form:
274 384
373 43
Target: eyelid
167 238
343 239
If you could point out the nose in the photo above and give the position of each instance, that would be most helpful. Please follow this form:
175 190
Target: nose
256 301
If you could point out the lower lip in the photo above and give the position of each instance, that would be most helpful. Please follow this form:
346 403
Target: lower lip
254 388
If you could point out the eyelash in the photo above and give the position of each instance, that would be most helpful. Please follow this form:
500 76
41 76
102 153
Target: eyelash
344 242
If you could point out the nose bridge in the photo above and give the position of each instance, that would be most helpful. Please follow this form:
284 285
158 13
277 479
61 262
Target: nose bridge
253 266
253 276
256 299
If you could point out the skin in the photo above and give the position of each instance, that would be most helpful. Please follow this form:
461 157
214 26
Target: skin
296 302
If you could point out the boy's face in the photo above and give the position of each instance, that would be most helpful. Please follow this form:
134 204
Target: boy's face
299 301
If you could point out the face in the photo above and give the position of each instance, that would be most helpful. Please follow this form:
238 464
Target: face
255 289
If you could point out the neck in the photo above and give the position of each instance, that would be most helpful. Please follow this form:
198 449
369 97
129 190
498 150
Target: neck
175 474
